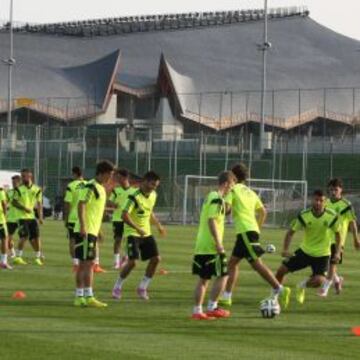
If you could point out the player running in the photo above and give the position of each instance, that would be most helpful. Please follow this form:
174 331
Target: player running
347 220
249 215
117 200
71 201
3 232
27 198
320 226
91 206
210 258
137 216
12 215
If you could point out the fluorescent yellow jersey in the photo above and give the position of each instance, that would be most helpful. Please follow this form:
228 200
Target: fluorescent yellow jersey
12 214
3 198
212 208
346 214
72 197
139 207
244 204
94 196
319 231
27 196
119 196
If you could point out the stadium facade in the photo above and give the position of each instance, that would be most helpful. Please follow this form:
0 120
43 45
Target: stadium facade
178 73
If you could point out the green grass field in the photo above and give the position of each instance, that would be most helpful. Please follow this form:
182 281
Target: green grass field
46 326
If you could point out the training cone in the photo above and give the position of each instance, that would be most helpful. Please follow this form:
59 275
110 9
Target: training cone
356 330
19 295
163 272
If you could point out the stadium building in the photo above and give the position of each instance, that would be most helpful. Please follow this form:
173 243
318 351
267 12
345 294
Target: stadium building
184 72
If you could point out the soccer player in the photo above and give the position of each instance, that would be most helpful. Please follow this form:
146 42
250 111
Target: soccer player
3 231
27 197
347 220
91 206
137 216
249 215
210 258
12 215
117 200
71 201
320 226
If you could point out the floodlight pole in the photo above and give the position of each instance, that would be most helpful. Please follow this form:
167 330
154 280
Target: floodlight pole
264 48
10 62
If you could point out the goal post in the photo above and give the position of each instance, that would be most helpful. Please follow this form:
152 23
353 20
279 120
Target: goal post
283 199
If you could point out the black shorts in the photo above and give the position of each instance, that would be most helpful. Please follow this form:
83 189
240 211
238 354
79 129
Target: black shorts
3 231
207 266
85 247
301 260
12 227
247 246
118 229
332 256
145 247
70 228
29 229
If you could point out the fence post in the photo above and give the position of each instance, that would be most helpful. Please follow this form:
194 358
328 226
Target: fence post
60 159
37 153
150 136
117 148
331 157
227 152
84 148
250 154
200 153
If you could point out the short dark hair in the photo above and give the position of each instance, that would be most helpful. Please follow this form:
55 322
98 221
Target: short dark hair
26 170
76 170
226 176
335 182
240 171
103 167
16 177
151 176
122 172
318 192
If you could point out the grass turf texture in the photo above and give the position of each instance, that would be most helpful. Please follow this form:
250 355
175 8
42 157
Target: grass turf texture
46 326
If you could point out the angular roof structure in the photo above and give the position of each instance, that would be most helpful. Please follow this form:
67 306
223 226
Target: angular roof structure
210 61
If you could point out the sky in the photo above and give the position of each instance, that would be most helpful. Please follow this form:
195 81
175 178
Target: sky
341 16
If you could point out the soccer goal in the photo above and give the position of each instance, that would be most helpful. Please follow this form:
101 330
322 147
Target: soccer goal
283 199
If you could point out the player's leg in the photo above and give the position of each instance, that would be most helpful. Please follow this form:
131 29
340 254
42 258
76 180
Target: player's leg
71 238
23 236
118 229
12 227
4 248
97 268
199 297
35 241
149 251
134 255
79 251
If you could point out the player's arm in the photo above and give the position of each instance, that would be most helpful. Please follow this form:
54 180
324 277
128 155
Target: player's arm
67 204
127 220
354 230
155 221
215 235
81 215
261 216
287 241
4 206
19 206
39 206
337 256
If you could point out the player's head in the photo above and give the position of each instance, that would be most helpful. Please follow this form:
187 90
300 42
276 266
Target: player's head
226 181
241 172
335 188
104 170
26 176
15 180
318 200
122 177
150 182
76 172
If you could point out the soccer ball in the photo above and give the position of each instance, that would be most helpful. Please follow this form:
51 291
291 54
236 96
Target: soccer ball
269 308
270 248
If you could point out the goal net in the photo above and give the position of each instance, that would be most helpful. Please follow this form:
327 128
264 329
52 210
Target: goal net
283 199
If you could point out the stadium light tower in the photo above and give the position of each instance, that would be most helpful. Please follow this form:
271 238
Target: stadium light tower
265 46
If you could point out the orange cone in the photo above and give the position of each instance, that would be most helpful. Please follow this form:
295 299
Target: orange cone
356 330
18 295
163 272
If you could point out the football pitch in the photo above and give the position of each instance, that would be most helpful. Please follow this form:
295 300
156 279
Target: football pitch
45 325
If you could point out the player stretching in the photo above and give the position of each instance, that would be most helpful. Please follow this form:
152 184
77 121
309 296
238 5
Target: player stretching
138 216
12 215
117 200
210 258
3 232
91 206
27 197
347 220
320 225
71 201
249 215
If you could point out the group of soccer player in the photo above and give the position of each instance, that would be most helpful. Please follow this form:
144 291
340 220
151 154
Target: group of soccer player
20 211
325 225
